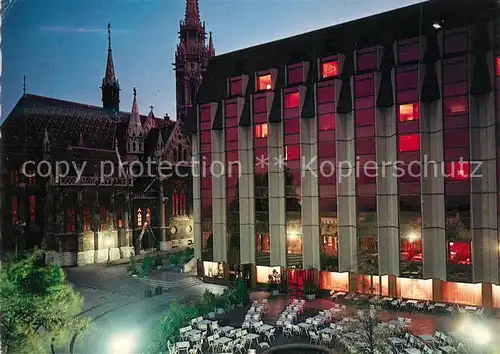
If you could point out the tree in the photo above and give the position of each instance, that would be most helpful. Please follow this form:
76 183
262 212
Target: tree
38 306
375 336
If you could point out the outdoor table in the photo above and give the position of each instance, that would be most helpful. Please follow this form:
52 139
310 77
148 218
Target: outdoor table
387 299
321 318
192 333
412 351
206 322
265 327
327 330
439 304
396 341
340 294
182 345
447 349
226 329
252 336
427 337
413 302
470 308
304 325
222 340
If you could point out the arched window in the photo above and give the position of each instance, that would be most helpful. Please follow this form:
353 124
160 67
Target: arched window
139 217
133 146
185 155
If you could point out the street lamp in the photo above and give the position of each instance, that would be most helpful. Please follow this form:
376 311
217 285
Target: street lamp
123 343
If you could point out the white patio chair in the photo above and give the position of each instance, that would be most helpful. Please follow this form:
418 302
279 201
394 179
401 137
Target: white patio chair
313 337
264 345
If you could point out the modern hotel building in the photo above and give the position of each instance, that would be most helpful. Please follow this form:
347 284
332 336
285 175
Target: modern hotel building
416 91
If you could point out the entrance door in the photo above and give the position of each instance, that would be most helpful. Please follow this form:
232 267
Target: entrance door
295 279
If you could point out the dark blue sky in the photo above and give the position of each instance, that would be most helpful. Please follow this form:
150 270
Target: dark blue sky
61 44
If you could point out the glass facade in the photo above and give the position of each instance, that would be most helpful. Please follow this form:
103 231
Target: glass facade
206 178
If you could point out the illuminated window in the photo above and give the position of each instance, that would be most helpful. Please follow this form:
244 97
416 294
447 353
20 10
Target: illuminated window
13 203
292 152
455 106
408 112
260 131
87 219
148 215
292 100
459 252
411 250
71 220
139 217
103 218
236 86
32 208
263 243
330 245
497 66
329 69
458 170
409 142
294 243
118 216
264 82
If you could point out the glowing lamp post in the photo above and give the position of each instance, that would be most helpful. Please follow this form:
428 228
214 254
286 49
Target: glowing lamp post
124 343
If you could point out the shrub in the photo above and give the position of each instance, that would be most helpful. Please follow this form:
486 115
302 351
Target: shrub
174 259
158 261
148 292
158 290
147 266
132 267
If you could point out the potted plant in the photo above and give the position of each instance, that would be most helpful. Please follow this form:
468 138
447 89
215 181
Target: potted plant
310 291
274 283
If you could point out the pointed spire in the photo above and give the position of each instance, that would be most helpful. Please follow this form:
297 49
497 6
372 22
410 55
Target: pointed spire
134 125
109 75
24 85
192 17
159 145
150 122
211 50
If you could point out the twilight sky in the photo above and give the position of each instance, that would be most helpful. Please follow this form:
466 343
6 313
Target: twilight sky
61 45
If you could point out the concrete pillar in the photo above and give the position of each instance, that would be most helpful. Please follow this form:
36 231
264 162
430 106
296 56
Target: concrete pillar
276 180
246 196
483 189
387 191
196 169
309 187
219 197
487 293
433 201
346 192
437 290
393 286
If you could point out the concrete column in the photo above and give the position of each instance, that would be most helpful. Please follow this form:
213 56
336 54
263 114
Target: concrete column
246 195
219 197
196 169
437 290
433 202
487 293
309 182
484 189
277 229
346 192
387 191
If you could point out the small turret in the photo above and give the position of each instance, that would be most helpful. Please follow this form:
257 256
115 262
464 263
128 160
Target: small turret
135 133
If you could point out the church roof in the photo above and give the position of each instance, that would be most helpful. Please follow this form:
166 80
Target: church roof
65 121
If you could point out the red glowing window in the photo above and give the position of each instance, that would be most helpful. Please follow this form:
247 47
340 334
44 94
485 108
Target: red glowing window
32 207
118 216
263 242
455 106
408 112
71 220
264 82
87 219
458 170
148 215
292 152
13 204
205 113
292 100
409 142
411 250
236 86
260 131
139 217
329 69
497 66
295 74
326 121
459 252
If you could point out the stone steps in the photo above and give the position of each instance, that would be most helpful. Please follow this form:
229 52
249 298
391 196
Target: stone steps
173 284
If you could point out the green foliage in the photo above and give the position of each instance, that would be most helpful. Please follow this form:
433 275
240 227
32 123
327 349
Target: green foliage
174 259
158 261
133 267
147 266
179 315
37 304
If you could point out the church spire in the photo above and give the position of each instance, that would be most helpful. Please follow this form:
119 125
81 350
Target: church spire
192 17
110 87
211 49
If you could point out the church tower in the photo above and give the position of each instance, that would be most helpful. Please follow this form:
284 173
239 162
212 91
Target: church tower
135 133
110 88
191 57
